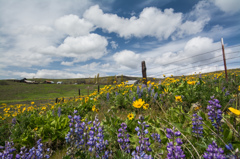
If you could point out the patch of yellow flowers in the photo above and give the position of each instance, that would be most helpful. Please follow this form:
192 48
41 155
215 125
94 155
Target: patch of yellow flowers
140 103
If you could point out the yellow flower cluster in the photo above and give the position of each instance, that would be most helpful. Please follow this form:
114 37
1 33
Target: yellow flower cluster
178 98
138 103
130 116
234 111
94 109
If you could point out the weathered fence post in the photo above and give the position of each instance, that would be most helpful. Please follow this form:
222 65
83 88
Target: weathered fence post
56 101
98 89
224 60
144 73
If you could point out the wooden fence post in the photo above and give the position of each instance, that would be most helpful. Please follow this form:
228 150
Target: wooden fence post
144 73
98 89
56 101
224 60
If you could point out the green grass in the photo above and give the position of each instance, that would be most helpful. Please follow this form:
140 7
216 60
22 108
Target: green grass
14 92
19 93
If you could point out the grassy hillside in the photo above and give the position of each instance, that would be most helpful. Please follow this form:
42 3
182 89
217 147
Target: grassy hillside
15 92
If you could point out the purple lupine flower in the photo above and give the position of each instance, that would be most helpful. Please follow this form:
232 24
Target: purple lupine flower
229 146
156 95
59 111
227 93
14 121
116 93
197 125
8 150
138 90
174 151
223 89
134 98
37 152
107 95
149 88
123 138
215 113
156 138
152 92
213 150
143 86
143 141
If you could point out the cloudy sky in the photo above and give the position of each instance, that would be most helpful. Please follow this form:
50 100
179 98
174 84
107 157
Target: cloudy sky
80 38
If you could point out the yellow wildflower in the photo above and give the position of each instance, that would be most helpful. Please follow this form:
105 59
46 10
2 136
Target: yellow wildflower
164 75
238 88
234 111
32 103
178 98
35 129
198 107
93 108
14 114
23 109
130 116
138 103
97 110
146 106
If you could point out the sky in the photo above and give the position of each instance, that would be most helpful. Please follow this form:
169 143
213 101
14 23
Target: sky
81 38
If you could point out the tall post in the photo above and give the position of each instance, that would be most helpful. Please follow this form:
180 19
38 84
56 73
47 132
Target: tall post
224 60
144 73
98 89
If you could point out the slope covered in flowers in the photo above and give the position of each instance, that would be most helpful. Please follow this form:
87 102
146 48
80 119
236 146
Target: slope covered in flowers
187 117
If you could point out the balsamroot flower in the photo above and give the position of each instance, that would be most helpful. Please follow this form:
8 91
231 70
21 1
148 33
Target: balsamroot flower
130 116
178 98
234 111
138 104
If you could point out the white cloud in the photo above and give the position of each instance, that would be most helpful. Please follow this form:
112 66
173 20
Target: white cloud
229 6
114 45
72 25
179 57
151 22
82 48
27 26
52 74
127 58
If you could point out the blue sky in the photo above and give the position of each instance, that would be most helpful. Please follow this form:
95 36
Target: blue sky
80 38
